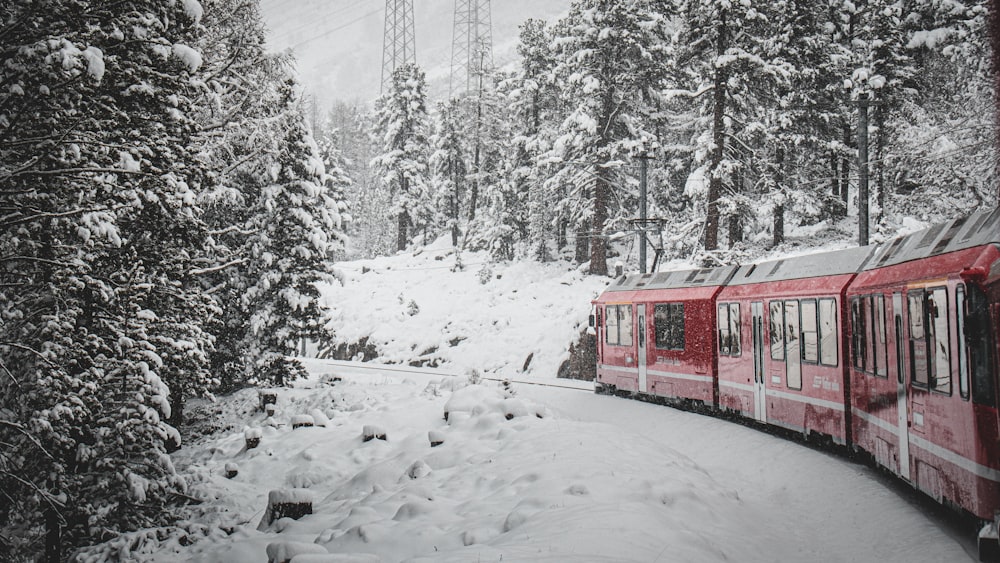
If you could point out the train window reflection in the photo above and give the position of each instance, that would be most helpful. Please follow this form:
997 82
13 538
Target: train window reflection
919 365
668 321
776 330
963 363
793 350
828 338
810 332
937 309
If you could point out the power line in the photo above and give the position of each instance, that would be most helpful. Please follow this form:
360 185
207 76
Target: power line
312 23
338 28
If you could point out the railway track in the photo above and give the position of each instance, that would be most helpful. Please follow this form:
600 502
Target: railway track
396 368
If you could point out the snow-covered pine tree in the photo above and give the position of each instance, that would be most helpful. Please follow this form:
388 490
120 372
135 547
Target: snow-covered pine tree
610 61
495 206
98 231
368 199
533 102
403 125
717 48
296 227
337 181
448 167
944 148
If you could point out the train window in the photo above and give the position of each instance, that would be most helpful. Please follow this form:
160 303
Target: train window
828 332
618 325
611 324
728 322
810 331
668 321
963 363
977 338
878 337
776 328
919 365
625 325
860 330
793 350
735 334
869 344
937 326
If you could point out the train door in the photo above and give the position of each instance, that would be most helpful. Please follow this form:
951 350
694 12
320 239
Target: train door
640 326
901 407
757 332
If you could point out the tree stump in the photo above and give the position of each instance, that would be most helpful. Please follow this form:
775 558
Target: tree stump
232 470
286 503
252 437
371 432
302 420
267 397
436 438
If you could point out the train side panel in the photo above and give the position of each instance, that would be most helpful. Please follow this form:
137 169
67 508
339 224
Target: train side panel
923 372
784 367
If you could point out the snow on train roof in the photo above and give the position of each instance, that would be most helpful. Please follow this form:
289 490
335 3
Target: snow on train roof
705 277
838 262
971 231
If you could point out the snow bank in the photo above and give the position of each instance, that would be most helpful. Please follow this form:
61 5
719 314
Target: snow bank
489 317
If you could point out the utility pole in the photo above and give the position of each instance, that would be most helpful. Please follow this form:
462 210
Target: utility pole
643 163
398 44
862 170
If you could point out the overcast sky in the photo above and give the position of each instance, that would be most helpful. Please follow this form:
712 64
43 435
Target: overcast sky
338 43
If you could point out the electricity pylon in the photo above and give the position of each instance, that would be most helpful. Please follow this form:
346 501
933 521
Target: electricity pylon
472 46
398 46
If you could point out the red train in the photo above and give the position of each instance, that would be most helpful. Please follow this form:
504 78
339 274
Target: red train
888 350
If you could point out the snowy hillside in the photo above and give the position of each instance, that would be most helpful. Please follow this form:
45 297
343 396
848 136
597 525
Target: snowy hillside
491 318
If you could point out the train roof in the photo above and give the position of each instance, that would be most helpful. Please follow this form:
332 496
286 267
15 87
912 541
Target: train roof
978 229
704 277
838 262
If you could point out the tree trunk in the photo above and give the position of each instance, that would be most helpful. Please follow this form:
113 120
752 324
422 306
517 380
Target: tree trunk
402 224
778 227
598 247
719 140
53 536
582 242
994 8
879 164
845 170
454 212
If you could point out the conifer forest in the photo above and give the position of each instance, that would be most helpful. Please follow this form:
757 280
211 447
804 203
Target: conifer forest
170 196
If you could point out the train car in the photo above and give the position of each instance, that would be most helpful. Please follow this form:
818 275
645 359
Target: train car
923 361
780 342
655 336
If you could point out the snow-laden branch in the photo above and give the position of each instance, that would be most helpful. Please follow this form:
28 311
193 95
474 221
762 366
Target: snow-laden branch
219 268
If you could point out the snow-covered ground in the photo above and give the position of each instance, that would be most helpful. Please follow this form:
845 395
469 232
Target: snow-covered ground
571 476
484 317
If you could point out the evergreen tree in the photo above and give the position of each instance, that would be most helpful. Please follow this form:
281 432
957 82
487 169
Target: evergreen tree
296 227
533 104
448 165
98 234
611 61
403 125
